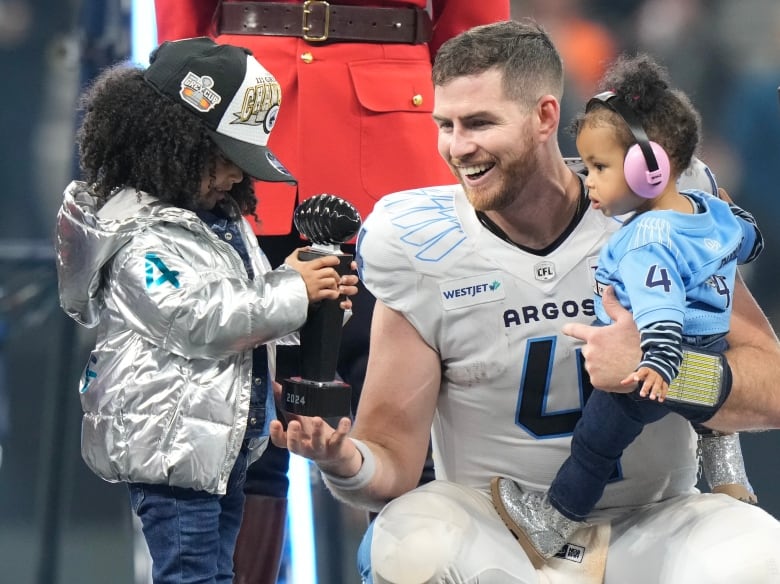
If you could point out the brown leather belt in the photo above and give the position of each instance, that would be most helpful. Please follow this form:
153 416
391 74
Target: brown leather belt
317 21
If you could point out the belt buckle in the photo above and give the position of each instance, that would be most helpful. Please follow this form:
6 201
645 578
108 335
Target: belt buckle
305 27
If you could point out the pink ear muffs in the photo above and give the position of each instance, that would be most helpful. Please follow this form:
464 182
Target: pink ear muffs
646 165
643 181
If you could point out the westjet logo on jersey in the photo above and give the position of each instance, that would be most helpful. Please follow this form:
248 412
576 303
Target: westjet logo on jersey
473 290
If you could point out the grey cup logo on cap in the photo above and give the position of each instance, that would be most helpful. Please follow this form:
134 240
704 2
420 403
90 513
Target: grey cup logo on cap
198 93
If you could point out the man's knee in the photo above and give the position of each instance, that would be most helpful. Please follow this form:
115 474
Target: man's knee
416 539
738 543
710 539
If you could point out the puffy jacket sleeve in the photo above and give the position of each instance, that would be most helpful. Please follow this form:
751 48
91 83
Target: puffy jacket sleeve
196 302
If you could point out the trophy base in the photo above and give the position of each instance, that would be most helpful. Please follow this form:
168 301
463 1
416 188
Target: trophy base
325 399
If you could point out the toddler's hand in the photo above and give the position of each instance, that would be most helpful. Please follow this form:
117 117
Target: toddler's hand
653 384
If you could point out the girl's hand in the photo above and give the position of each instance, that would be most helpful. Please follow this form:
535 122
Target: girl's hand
323 281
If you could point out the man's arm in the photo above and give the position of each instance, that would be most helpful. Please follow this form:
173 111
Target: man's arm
393 420
612 353
754 357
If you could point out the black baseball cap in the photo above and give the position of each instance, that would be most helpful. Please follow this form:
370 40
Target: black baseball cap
232 94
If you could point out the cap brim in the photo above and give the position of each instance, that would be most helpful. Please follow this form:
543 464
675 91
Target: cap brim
257 161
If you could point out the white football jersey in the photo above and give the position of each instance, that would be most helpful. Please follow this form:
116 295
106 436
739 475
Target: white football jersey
513 386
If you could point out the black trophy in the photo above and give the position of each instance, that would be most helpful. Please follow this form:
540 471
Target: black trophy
326 221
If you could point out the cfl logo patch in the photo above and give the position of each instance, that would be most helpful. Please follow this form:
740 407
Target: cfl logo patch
544 271
571 552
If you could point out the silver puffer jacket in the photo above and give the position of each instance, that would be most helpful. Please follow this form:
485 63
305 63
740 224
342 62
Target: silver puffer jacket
166 390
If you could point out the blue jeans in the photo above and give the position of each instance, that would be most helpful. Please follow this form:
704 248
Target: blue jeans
609 423
191 534
364 556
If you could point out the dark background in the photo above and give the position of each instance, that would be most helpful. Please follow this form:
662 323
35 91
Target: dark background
61 525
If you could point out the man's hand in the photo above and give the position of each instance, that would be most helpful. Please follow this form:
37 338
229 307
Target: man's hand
316 440
611 352
348 287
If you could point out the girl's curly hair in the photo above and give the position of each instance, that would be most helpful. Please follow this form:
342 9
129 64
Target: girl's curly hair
131 136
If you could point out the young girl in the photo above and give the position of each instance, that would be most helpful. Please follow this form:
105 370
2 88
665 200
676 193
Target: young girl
154 251
673 263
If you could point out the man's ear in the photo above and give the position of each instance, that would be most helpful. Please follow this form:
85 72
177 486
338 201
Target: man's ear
548 110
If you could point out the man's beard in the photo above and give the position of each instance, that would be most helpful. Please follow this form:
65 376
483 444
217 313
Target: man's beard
515 175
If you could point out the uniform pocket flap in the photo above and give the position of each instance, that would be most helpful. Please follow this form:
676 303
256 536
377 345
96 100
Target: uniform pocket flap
393 87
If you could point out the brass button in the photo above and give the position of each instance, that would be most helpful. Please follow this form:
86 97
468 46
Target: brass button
307 57
417 100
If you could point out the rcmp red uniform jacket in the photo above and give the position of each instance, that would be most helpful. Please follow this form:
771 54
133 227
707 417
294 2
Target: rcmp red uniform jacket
355 119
